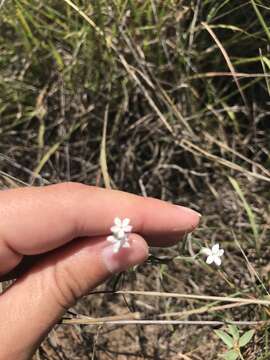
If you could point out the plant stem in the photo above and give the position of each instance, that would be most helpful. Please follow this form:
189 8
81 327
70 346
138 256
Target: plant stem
241 356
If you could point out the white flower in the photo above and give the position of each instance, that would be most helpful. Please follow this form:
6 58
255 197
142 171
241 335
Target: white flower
213 255
118 243
121 228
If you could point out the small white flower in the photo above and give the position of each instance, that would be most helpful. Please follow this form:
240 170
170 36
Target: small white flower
118 243
213 255
121 228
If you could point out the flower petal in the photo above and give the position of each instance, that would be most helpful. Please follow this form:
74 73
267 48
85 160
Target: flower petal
112 239
210 259
125 222
118 221
115 229
217 260
206 251
221 252
215 249
127 228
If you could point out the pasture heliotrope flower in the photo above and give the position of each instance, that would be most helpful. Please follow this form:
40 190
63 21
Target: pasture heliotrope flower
213 255
120 230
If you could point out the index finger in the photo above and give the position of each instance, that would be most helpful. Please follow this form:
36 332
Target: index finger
38 219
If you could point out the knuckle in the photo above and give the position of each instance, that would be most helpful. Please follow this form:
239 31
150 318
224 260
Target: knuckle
67 287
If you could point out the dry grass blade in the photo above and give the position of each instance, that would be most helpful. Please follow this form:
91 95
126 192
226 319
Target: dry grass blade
228 61
196 297
228 74
14 182
2 3
186 144
86 320
82 14
225 147
250 214
250 267
103 156
266 69
45 159
167 322
151 102
204 309
261 19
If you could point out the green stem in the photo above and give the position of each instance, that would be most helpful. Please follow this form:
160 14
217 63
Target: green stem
241 356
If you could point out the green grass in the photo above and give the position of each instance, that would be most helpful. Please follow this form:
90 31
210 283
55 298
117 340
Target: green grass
161 98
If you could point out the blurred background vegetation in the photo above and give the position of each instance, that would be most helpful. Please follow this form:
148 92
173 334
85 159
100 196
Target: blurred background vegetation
161 98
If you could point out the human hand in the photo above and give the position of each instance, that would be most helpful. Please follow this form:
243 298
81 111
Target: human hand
65 226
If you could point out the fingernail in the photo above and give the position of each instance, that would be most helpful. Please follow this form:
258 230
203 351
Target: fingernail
189 211
126 257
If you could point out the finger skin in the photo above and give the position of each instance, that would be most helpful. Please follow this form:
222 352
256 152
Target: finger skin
37 220
28 262
38 300
18 271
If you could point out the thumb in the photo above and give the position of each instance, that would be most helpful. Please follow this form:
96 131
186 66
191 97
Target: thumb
30 307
